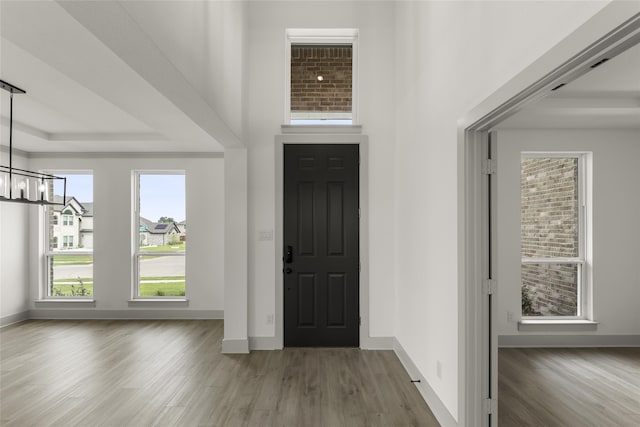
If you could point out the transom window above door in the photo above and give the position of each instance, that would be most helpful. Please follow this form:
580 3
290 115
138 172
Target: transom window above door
322 65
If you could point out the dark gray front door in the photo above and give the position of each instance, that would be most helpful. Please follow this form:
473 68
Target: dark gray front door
321 245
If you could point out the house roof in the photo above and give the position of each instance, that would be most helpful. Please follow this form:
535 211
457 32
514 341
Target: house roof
86 207
157 227
89 208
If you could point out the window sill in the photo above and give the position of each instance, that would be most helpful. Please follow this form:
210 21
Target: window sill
322 129
65 302
159 302
535 325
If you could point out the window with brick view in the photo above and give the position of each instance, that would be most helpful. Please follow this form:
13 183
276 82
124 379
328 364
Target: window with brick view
552 256
321 84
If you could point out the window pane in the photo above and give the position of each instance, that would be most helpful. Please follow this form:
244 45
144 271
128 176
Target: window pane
70 275
162 229
549 207
162 224
70 237
550 289
71 225
321 84
161 275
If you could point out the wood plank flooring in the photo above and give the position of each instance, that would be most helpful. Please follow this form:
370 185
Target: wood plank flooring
579 387
171 373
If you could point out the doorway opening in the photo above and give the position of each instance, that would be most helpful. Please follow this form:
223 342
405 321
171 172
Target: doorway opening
481 228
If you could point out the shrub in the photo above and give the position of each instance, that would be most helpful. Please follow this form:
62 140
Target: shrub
527 303
82 291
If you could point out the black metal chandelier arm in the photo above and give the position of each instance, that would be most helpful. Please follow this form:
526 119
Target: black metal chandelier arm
33 187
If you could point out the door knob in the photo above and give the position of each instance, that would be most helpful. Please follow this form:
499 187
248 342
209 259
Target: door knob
288 271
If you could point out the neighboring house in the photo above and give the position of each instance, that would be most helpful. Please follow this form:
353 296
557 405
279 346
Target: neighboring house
72 224
182 226
157 233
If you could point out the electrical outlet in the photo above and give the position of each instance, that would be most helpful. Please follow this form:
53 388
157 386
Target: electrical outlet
269 319
265 235
439 369
509 316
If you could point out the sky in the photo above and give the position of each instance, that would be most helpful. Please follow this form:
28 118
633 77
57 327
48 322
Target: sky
160 195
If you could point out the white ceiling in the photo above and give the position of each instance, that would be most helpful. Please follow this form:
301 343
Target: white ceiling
117 76
606 97
96 82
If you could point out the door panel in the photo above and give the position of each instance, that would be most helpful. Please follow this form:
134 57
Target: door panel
307 300
321 220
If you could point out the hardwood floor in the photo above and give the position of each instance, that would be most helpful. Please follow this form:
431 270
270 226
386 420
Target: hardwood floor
569 387
143 373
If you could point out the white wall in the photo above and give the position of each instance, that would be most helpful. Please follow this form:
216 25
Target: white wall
267 23
449 57
206 41
616 229
112 178
14 245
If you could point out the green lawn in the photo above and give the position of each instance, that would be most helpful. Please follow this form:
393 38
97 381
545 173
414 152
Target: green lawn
173 288
179 247
88 259
73 260
159 286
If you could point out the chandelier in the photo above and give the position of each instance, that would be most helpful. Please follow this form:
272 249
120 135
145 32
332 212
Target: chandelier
25 186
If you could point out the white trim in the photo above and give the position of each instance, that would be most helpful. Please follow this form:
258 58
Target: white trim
321 115
543 325
378 343
324 129
438 408
552 261
362 141
14 318
158 302
590 340
604 33
473 259
120 155
263 343
230 346
53 302
321 36
148 314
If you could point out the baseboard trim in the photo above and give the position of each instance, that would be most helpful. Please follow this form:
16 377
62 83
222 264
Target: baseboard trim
378 343
590 340
125 314
235 346
263 343
14 318
438 408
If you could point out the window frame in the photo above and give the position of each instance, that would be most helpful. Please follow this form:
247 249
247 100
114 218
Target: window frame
59 249
67 219
135 237
583 259
324 36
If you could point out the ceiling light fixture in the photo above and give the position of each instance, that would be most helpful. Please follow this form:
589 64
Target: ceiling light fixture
21 185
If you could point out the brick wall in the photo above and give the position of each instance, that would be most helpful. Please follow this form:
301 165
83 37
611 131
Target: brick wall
333 93
549 228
